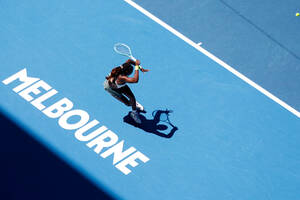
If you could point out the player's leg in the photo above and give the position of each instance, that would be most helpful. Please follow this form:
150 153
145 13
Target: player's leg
134 114
116 94
135 105
128 93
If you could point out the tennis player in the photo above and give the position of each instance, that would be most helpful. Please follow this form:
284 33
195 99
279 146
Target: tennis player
116 85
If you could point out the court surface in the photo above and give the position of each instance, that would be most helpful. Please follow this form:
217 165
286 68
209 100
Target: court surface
237 138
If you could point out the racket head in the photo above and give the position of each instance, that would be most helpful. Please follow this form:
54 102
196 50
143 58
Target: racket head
164 117
123 49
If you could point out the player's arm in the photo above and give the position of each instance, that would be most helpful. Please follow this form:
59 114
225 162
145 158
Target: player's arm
144 70
135 77
134 63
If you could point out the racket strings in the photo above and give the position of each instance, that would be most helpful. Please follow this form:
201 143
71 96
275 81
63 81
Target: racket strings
122 49
162 117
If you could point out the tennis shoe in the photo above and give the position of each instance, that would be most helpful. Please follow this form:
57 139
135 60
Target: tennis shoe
140 107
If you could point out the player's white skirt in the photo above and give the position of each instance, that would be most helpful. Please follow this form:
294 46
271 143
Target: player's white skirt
110 90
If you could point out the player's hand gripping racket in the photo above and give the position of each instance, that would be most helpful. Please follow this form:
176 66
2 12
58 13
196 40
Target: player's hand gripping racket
124 50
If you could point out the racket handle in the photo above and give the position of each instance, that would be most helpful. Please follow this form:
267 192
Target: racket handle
134 59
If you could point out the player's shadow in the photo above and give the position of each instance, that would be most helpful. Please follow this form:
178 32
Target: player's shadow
154 126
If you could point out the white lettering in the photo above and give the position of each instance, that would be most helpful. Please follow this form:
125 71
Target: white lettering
22 76
131 161
38 102
100 142
117 151
58 108
34 89
79 133
98 138
63 120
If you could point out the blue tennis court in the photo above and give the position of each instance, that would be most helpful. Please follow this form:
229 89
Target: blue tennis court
234 129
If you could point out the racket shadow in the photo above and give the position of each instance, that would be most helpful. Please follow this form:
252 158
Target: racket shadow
154 126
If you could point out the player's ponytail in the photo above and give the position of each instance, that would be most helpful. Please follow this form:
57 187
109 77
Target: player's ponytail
115 72
125 69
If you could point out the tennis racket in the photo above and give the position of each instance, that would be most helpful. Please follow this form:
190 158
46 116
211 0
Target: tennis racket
124 50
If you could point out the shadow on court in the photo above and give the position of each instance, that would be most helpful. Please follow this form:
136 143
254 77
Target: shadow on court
29 171
155 126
